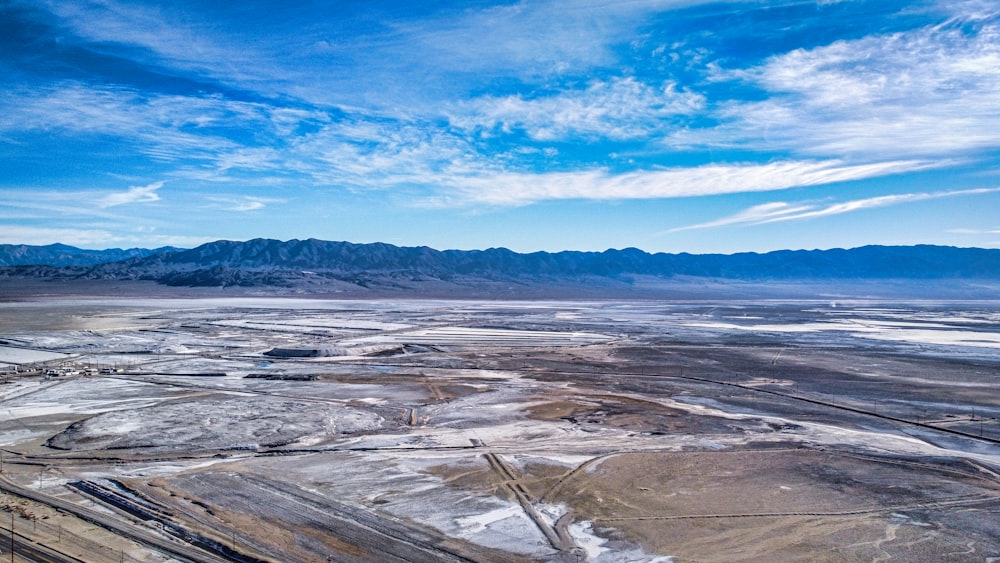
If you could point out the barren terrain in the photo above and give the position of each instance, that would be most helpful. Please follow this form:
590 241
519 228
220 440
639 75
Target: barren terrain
277 429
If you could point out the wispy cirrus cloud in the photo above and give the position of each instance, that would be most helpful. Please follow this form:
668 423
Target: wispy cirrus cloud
135 194
995 231
507 189
163 127
780 211
378 156
434 45
537 42
927 92
619 108
207 129
242 204
168 36
90 204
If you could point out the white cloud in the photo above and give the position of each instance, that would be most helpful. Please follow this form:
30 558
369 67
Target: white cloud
177 37
507 188
620 108
969 10
779 211
249 205
135 194
40 203
369 154
242 203
975 231
84 238
375 154
163 127
96 238
531 38
408 57
931 91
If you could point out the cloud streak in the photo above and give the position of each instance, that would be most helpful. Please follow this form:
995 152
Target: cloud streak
506 189
779 211
243 204
135 194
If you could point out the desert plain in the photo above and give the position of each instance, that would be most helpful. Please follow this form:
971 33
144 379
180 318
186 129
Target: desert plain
295 430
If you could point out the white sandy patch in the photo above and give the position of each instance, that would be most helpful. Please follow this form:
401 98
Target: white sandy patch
84 396
372 401
818 433
164 468
21 387
20 356
458 336
280 327
564 459
354 324
917 333
583 535
16 436
506 528
800 327
469 525
940 337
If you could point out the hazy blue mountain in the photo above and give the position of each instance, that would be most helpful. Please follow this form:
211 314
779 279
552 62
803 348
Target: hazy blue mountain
265 262
64 255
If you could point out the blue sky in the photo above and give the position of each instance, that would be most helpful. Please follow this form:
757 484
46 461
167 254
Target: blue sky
667 125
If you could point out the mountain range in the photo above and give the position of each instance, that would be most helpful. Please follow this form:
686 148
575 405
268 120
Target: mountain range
59 255
337 266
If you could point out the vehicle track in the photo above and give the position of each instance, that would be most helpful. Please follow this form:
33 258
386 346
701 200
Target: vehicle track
115 525
557 486
963 501
26 549
562 542
791 396
29 392
394 538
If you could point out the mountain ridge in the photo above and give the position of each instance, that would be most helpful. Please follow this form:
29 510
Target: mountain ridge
60 255
312 262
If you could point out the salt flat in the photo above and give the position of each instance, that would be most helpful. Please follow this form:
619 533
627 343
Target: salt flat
470 430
